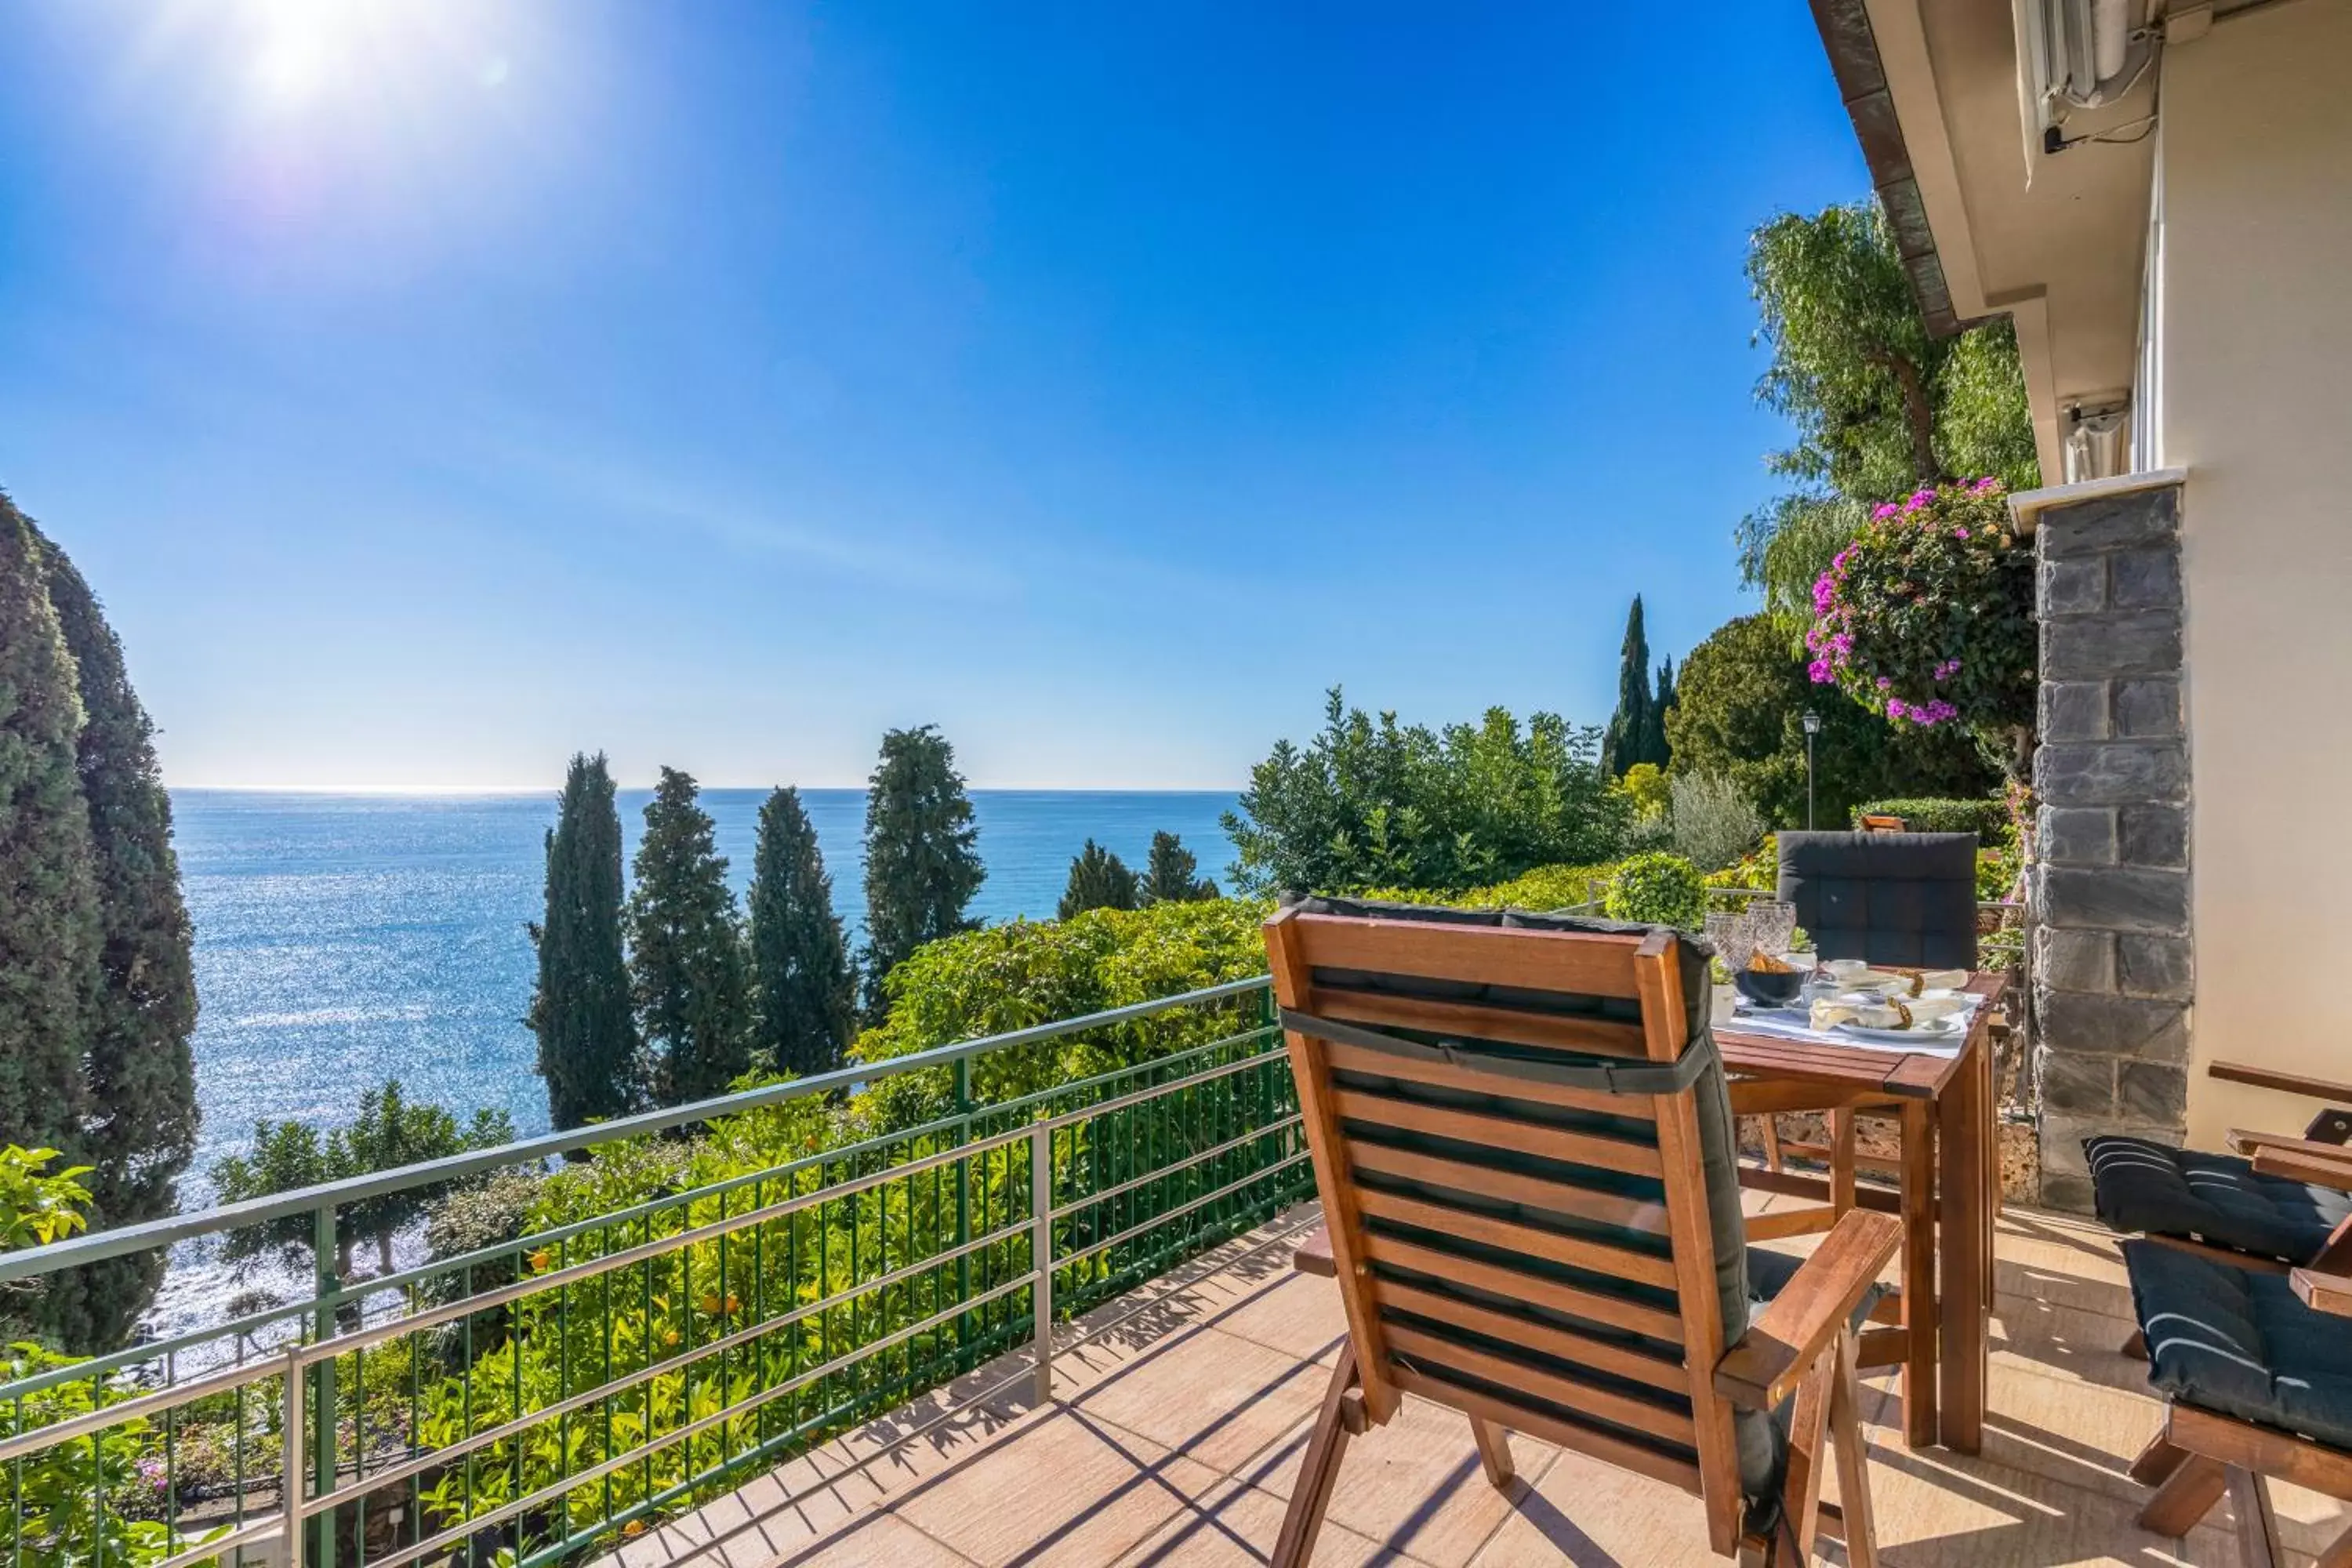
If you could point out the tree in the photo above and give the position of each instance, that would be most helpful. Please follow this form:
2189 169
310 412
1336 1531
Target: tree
389 1132
687 971
1099 881
1882 406
921 866
1172 875
1380 805
1744 693
804 992
579 1010
1633 728
142 1075
1656 750
50 934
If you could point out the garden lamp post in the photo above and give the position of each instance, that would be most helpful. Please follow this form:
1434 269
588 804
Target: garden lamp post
1812 723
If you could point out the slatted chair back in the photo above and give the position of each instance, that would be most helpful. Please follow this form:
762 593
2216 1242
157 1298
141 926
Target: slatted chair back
1524 1149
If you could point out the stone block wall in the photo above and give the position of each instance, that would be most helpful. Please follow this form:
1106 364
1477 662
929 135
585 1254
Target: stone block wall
2111 960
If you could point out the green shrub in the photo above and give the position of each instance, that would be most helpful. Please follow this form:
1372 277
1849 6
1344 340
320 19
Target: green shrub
1987 819
1658 889
1759 868
1545 888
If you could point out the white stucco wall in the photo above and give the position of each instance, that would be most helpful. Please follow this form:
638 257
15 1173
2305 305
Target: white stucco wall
2256 363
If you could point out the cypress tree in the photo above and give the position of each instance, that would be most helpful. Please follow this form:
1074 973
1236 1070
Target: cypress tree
50 935
921 868
686 953
142 1075
1622 743
588 1050
803 993
1099 881
1654 748
1173 874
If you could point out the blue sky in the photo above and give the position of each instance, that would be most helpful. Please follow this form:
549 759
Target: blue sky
431 389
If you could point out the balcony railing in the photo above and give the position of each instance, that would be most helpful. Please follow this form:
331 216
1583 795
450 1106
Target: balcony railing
526 1399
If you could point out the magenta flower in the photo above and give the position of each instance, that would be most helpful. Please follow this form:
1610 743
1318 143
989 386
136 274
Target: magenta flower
1883 683
1959 533
1819 670
1883 512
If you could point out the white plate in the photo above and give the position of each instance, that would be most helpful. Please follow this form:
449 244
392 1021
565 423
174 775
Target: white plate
1933 1031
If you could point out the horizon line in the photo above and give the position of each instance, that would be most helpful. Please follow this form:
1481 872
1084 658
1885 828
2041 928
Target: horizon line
410 789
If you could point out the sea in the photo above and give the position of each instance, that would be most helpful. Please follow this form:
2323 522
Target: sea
342 940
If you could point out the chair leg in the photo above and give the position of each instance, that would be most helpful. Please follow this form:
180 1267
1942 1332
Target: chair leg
2158 1460
2135 1347
1853 1460
1771 1142
2250 1499
1311 1495
2187 1496
1808 1426
1842 1161
1493 1450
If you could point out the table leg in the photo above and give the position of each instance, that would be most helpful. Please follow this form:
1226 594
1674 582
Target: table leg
1964 1236
1919 1316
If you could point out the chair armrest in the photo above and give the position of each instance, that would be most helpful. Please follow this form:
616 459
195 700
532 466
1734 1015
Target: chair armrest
2295 1165
2283 1082
1314 1255
2249 1142
1802 1320
2323 1292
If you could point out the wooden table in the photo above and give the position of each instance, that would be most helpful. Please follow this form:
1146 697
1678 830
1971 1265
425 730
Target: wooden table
1949 1172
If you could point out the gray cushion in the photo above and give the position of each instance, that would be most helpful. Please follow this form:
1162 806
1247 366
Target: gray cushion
1885 898
2216 1198
2237 1343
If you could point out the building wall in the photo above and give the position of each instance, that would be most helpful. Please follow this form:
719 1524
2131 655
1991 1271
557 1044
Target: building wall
2255 340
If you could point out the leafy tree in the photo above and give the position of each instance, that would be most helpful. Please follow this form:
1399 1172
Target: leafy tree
38 1206
687 971
1646 784
1634 733
1744 693
1372 804
1173 874
141 1073
921 866
389 1132
1880 405
1099 881
804 992
50 934
579 1010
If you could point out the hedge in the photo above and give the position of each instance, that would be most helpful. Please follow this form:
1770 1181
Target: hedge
1987 819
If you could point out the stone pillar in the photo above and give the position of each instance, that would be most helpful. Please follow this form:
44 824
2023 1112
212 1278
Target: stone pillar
2111 944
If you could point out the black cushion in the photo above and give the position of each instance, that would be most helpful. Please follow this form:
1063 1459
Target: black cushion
2216 1198
2237 1343
1885 898
1762 1442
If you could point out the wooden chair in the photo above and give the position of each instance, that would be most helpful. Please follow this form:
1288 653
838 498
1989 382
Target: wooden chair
1523 1146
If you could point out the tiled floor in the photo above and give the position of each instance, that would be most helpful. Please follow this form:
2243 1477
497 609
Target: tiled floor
1179 1420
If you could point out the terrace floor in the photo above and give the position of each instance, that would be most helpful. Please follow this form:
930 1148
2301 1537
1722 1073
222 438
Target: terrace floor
1180 1417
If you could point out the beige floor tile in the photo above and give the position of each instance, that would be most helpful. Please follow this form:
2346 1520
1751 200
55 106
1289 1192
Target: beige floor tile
1233 1524
1583 1512
1218 1398
877 1541
2051 1258
1063 1488
1300 1315
2065 1342
1414 1485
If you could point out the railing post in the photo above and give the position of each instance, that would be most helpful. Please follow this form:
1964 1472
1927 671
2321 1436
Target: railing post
325 1251
289 1501
1041 1252
964 1208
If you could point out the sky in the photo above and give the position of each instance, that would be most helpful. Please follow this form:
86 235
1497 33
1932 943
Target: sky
432 389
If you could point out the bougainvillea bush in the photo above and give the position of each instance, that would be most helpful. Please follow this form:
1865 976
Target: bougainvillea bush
1926 617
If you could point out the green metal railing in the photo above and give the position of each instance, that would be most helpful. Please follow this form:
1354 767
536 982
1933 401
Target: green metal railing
527 1400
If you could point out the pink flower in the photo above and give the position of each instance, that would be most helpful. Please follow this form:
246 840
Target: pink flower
1883 683
1959 533
1820 672
1883 512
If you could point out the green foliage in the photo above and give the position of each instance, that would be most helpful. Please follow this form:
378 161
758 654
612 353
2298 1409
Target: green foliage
1636 733
1713 821
1655 746
1926 617
1880 405
588 1049
803 993
1657 889
921 864
1370 804
389 1131
1759 868
1743 698
1099 881
142 1076
687 971
1987 819
1547 887
1172 875
50 932
45 1512
38 1206
1646 784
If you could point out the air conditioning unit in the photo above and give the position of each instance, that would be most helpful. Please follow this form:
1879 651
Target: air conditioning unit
2076 53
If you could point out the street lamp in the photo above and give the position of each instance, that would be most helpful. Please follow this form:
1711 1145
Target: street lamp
1812 723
